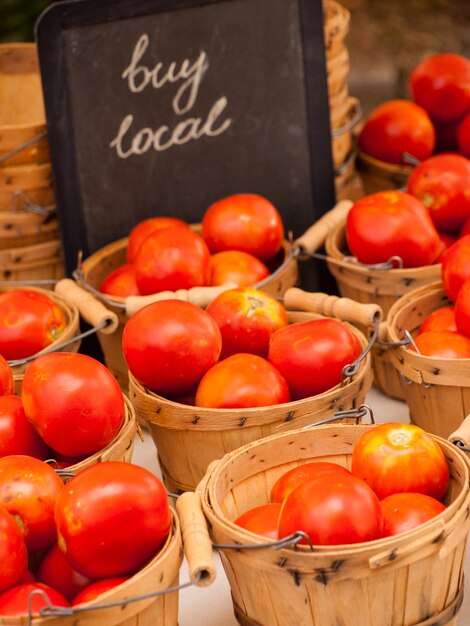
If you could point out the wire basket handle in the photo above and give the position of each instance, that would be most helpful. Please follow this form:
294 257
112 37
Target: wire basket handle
315 236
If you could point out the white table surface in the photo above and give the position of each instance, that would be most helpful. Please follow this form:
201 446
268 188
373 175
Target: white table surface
212 606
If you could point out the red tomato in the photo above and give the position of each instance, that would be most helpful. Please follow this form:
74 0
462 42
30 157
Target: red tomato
145 228
395 458
27 577
442 184
247 318
335 509
169 345
15 601
172 258
440 319
441 85
462 309
13 553
29 489
297 475
392 223
443 344
55 571
29 322
405 511
246 222
111 519
447 241
97 588
234 266
7 384
74 402
17 435
242 381
456 266
311 355
261 520
463 136
121 282
395 127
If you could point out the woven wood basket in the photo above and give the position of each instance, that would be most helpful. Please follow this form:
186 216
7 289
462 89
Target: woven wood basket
188 438
336 19
437 391
19 229
15 198
342 141
337 69
36 262
381 176
411 579
383 287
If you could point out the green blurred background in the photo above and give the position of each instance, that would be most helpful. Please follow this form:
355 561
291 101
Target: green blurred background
17 18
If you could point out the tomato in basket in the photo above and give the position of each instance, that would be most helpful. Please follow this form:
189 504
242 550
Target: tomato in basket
443 344
98 587
145 228
405 511
297 475
463 136
13 552
17 434
7 383
120 282
262 520
456 266
235 266
15 601
440 319
54 570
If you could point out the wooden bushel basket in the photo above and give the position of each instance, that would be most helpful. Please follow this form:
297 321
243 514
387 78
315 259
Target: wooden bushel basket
189 438
336 20
379 175
22 228
411 579
383 287
41 261
437 391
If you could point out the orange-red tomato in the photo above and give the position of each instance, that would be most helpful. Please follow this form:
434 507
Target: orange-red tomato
456 266
29 322
463 136
146 227
392 223
98 587
443 344
121 282
172 258
396 127
395 458
234 266
54 570
247 318
405 511
16 600
441 85
335 509
440 319
462 309
246 222
311 355
17 434
7 383
442 184
242 381
297 475
169 345
261 520
13 553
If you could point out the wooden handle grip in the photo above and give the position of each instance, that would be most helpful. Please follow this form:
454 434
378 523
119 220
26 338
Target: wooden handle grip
196 540
342 308
92 310
315 236
200 296
462 434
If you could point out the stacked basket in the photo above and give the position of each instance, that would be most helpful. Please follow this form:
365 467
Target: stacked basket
30 248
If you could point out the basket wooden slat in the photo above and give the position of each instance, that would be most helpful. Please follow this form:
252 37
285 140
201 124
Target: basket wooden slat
337 69
402 580
379 175
25 229
336 19
14 198
26 177
35 262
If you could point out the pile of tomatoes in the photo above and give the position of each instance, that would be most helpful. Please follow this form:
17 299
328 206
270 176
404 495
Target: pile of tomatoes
398 477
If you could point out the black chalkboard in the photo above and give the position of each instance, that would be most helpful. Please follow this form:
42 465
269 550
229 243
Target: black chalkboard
161 107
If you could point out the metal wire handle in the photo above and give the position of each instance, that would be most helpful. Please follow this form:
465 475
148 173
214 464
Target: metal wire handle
23 146
31 207
285 542
352 369
394 262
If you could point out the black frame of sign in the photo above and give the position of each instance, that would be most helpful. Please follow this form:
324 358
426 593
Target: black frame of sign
57 97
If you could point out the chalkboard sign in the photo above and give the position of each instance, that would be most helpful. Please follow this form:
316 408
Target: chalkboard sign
161 107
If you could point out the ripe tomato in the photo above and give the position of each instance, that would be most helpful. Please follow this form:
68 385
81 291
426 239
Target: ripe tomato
440 319
462 309
463 136
311 355
97 588
170 344
29 322
443 344
54 570
335 509
111 519
234 266
7 383
172 258
146 227
246 222
247 318
441 85
441 183
395 127
395 458
121 282
297 475
29 489
242 381
405 511
17 435
261 520
73 401
13 553
392 223
15 601
456 266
